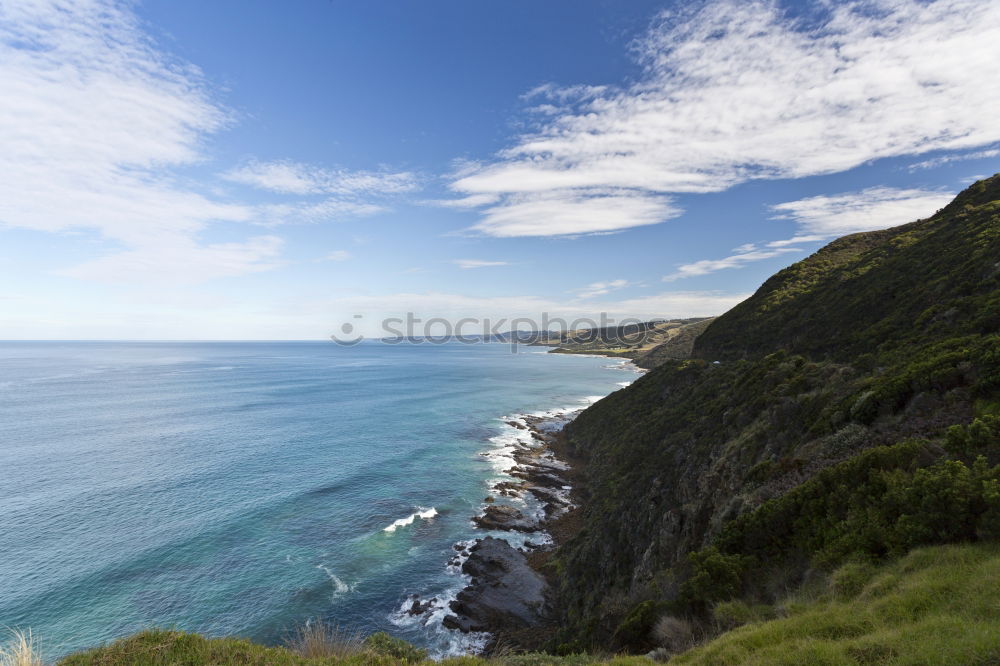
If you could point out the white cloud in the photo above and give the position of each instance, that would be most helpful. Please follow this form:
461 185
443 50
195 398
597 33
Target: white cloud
734 91
327 209
183 262
824 217
873 208
477 263
289 177
95 123
795 240
561 212
601 288
92 119
739 260
338 255
948 159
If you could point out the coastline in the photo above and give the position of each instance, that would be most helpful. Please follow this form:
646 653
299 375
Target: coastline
532 507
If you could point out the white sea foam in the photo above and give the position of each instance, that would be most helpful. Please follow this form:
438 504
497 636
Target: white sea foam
339 587
442 642
425 514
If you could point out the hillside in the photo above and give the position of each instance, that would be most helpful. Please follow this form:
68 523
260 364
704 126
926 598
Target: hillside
928 280
648 344
852 395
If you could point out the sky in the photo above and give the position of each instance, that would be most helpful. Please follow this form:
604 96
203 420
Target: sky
181 169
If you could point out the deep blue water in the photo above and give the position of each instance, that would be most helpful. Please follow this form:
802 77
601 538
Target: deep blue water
245 488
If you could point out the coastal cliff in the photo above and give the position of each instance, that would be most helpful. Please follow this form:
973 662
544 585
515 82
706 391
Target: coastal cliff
838 413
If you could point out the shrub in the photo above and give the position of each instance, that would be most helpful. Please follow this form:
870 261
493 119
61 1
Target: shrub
390 646
714 577
634 630
732 614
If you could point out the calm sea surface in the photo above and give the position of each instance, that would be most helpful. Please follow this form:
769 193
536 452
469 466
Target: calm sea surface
246 488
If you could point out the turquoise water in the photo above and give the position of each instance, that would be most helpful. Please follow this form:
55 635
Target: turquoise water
246 488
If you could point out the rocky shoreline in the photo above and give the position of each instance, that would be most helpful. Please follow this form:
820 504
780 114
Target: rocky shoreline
505 593
507 599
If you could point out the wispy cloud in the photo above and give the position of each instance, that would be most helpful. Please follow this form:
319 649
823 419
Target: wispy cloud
874 208
734 91
92 119
183 262
477 263
338 255
96 126
948 159
289 177
561 212
824 217
749 254
601 288
304 211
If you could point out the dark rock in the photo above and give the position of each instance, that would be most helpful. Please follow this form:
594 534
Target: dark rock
504 517
505 592
419 607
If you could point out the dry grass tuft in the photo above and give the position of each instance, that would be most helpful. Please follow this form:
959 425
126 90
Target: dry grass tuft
19 650
321 640
673 634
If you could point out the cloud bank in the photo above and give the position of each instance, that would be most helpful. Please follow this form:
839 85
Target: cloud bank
734 91
96 125
873 208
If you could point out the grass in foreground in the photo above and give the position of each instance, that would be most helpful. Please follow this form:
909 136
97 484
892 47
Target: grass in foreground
937 605
325 647
19 650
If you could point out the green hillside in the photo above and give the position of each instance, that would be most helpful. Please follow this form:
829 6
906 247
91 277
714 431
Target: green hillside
929 280
811 428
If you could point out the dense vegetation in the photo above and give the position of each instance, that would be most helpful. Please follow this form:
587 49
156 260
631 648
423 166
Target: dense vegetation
847 410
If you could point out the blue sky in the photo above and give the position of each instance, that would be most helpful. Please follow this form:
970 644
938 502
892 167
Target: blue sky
172 169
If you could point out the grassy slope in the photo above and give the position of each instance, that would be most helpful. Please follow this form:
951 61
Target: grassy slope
937 605
176 648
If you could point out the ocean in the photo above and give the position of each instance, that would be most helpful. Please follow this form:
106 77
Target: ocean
246 488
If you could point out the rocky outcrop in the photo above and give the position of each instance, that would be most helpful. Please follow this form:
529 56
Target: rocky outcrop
504 517
505 593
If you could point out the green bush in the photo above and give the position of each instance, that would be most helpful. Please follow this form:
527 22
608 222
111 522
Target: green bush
634 631
390 646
